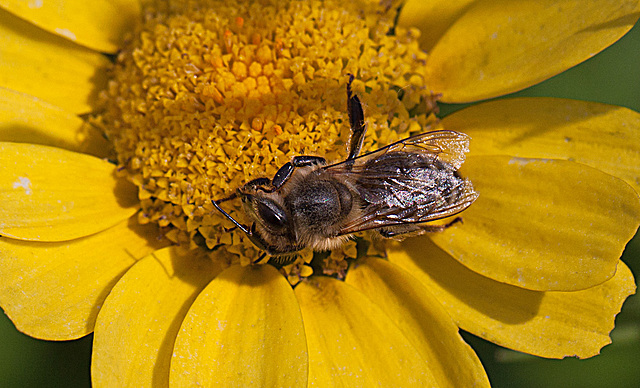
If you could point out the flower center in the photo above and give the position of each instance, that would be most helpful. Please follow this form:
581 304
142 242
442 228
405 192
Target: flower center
208 96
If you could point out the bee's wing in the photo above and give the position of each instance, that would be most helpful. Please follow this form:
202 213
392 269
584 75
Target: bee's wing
449 146
379 215
411 181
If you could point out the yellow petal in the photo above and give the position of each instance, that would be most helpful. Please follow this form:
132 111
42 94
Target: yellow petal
245 329
54 291
49 67
140 319
499 47
433 18
422 319
27 119
542 224
547 324
352 343
49 194
602 136
100 24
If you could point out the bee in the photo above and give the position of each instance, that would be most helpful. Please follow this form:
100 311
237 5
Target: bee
392 191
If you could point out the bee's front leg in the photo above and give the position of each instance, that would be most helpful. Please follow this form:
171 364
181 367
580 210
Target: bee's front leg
262 183
284 173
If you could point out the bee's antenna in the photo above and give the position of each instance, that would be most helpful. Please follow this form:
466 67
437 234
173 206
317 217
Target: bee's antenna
239 225
255 239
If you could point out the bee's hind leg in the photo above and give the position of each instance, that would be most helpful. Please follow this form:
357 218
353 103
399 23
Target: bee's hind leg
408 230
356 121
440 228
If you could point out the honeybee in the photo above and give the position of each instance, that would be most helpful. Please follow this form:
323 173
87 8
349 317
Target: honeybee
392 191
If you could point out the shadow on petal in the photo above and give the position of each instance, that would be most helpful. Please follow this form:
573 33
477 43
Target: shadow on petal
478 292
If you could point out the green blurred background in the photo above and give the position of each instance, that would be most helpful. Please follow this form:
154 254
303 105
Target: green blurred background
612 77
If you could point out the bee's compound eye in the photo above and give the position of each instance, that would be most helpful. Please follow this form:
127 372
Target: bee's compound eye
272 214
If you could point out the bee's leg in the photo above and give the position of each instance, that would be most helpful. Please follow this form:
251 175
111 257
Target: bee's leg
260 258
232 196
440 228
308 160
285 171
356 121
262 183
407 230
281 261
400 231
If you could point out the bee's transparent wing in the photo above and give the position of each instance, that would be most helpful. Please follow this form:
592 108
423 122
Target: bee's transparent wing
450 147
414 180
380 215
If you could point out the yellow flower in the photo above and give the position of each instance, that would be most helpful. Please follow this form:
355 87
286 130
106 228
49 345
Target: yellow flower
116 235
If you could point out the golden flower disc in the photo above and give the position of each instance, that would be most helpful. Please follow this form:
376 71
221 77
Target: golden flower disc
208 97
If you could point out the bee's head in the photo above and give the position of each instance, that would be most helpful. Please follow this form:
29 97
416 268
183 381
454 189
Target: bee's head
267 212
270 227
272 223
